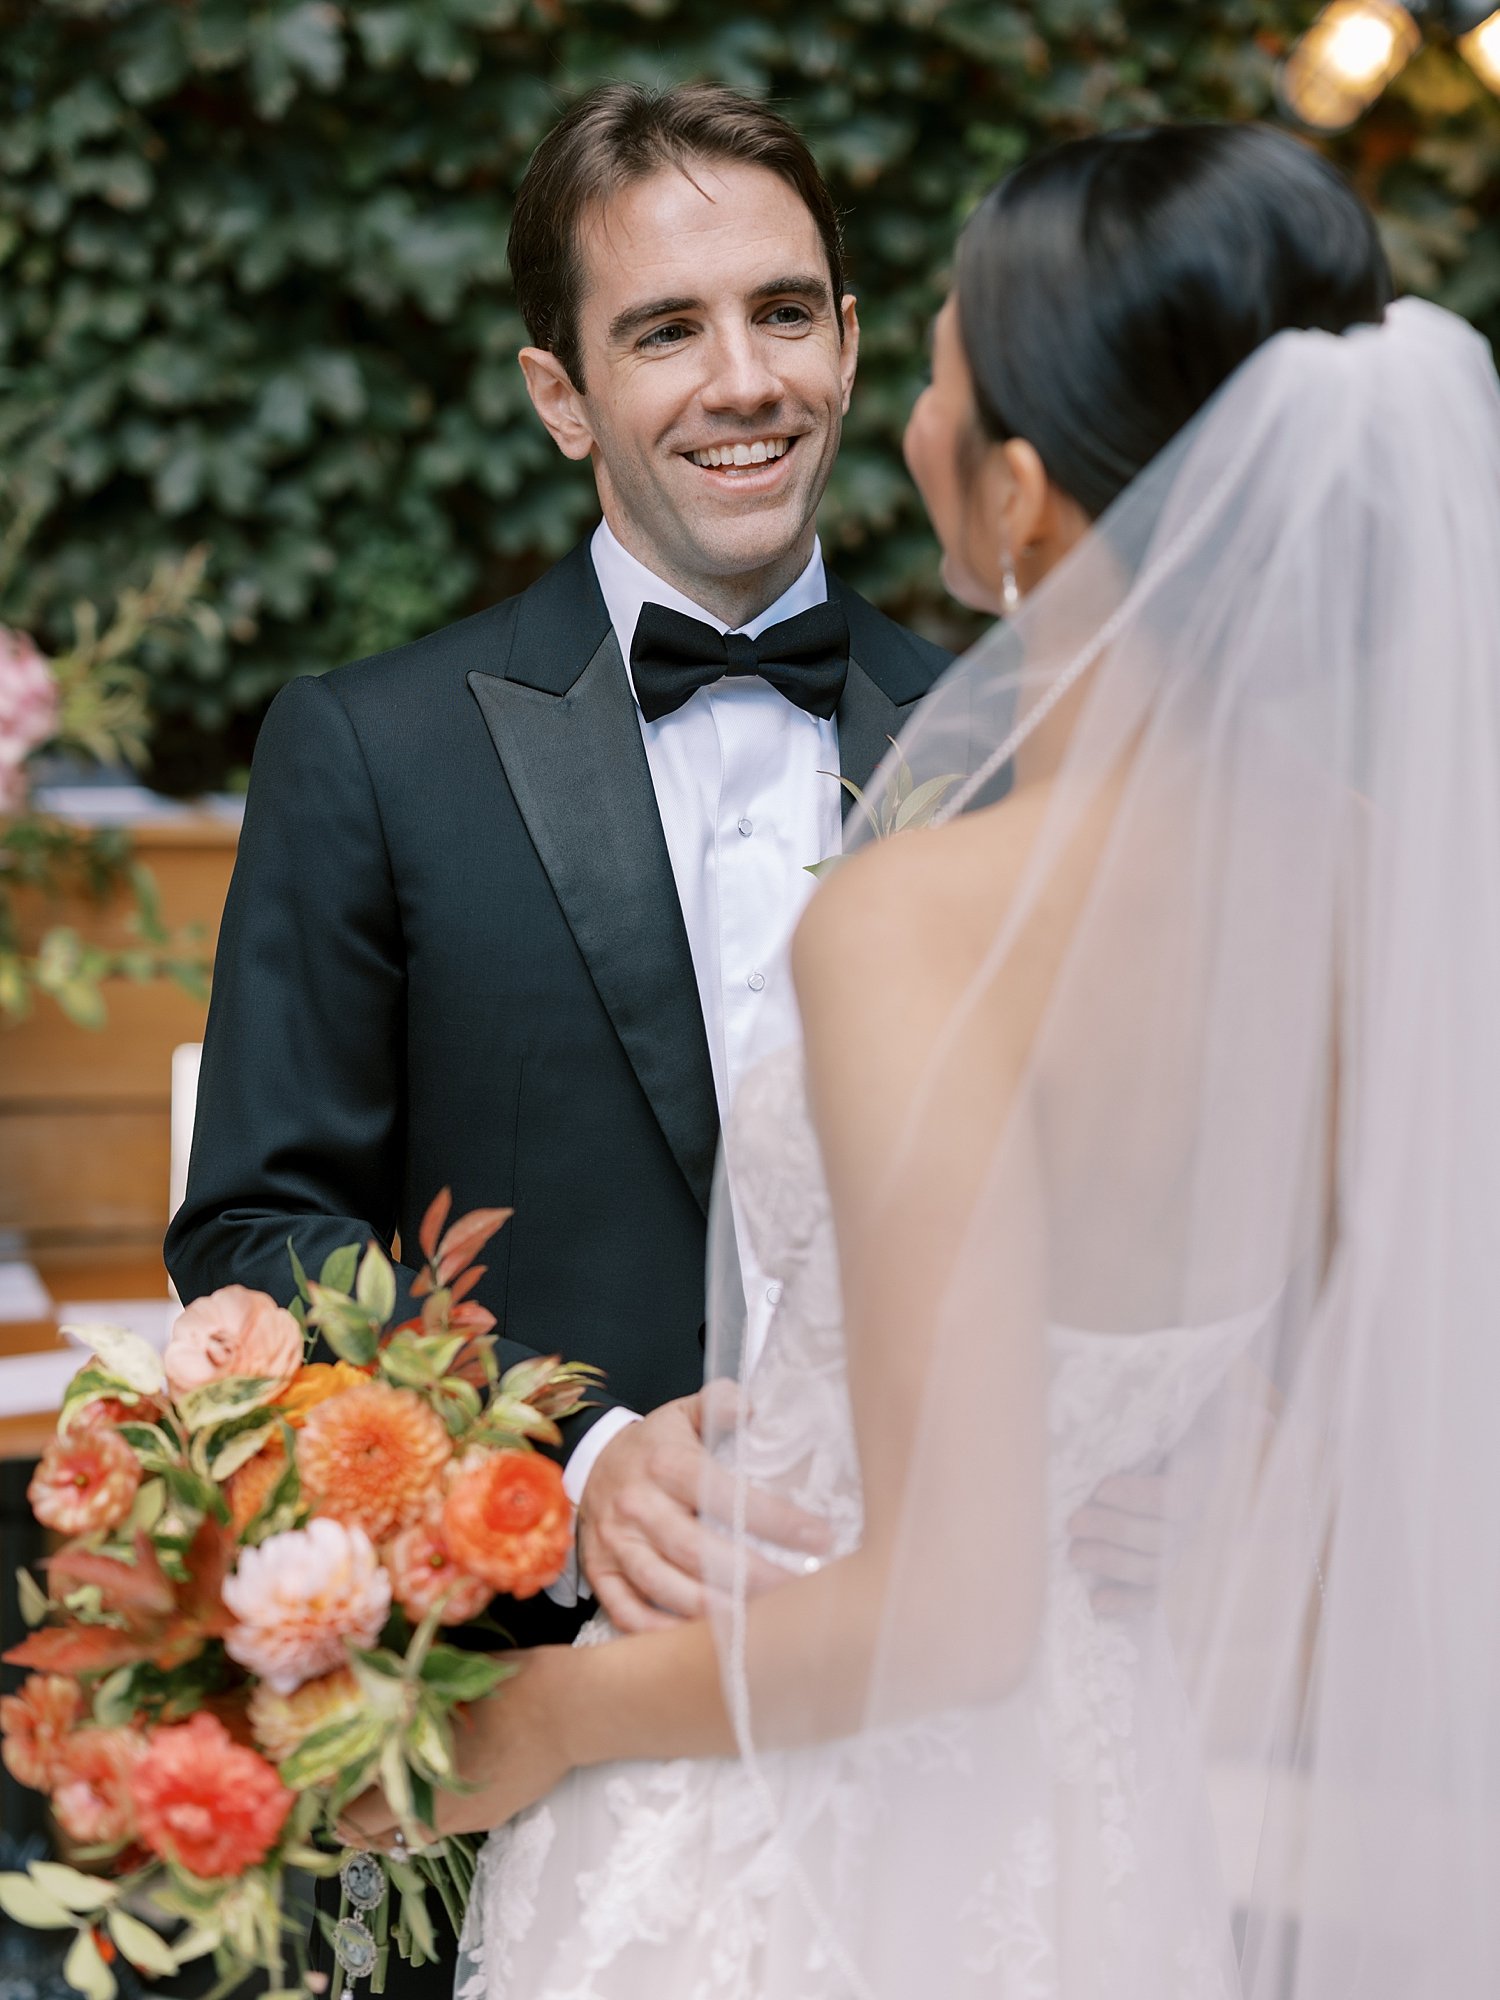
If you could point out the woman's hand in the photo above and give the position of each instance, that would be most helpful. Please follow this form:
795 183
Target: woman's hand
510 1747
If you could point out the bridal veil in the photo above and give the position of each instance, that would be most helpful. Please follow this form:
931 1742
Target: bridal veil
1257 1125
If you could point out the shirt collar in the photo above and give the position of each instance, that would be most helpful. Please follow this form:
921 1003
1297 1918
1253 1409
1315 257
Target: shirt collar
627 584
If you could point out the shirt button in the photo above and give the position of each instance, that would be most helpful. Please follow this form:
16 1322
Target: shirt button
747 827
756 981
773 1294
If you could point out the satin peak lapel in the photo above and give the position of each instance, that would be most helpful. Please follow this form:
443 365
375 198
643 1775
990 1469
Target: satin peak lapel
578 772
867 720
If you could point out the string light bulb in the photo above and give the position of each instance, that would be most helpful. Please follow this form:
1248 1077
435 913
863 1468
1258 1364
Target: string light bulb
1346 58
1481 50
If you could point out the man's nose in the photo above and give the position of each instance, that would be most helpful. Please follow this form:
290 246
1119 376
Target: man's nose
741 378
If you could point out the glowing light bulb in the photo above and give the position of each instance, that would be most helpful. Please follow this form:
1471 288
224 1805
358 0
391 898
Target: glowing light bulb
1346 58
1481 48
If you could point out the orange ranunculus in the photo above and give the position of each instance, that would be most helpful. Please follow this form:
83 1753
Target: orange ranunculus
86 1481
206 1803
313 1383
372 1457
423 1570
35 1724
248 1489
282 1723
508 1520
91 1794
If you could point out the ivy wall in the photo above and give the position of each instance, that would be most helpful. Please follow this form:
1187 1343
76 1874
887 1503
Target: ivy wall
253 289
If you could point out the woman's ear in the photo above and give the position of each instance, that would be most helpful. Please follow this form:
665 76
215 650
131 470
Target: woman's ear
557 402
1027 506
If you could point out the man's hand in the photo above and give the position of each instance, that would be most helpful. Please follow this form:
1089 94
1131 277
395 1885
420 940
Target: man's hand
1125 1538
641 1543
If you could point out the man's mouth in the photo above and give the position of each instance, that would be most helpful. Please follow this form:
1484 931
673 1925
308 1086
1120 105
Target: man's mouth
742 456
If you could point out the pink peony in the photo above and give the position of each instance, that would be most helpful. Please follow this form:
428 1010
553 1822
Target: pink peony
87 1480
233 1331
28 712
298 1597
92 1785
207 1803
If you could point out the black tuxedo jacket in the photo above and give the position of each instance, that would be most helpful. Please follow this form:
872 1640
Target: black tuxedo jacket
452 954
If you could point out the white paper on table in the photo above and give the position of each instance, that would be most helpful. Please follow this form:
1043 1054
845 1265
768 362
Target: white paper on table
150 1318
23 1296
33 1384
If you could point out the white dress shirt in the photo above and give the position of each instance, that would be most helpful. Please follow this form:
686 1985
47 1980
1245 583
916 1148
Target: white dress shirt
747 787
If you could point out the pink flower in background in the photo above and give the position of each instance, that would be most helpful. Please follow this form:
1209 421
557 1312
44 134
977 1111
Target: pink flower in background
28 712
233 1331
92 1775
299 1596
422 1571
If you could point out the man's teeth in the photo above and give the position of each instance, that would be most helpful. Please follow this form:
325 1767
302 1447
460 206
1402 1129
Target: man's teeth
758 453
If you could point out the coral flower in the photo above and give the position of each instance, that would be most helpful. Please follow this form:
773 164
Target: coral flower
283 1722
313 1383
205 1802
248 1489
91 1785
34 1725
86 1481
300 1596
371 1458
422 1570
507 1519
233 1331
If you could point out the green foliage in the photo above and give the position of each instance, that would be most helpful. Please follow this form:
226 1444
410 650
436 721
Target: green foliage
254 288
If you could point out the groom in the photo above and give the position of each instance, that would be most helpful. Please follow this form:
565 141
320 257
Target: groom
508 900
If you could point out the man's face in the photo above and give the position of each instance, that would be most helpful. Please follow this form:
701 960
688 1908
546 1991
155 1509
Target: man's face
709 333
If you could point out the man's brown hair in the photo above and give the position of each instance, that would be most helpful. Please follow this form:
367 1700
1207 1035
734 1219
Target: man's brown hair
621 133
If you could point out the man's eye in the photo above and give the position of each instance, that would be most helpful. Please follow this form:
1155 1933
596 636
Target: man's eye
665 336
789 316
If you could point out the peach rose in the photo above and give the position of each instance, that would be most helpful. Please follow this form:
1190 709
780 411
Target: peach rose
92 1785
508 1519
233 1331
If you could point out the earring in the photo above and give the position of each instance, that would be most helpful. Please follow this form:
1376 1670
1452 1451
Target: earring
1010 590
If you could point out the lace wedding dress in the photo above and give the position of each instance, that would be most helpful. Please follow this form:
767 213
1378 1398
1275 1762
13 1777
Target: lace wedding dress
1090 1872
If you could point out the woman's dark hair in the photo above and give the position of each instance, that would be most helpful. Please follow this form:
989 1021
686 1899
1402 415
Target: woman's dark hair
620 133
1106 289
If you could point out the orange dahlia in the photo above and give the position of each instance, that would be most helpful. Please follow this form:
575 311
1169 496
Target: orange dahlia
91 1785
35 1724
87 1480
206 1803
423 1570
507 1519
283 1722
371 1457
313 1383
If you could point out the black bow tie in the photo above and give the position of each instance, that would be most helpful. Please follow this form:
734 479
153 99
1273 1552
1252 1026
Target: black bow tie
806 658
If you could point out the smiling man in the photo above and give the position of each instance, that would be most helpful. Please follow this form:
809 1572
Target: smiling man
509 901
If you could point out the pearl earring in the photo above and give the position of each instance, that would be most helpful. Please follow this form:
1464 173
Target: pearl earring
1010 590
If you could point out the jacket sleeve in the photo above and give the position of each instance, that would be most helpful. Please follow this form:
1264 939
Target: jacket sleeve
301 1098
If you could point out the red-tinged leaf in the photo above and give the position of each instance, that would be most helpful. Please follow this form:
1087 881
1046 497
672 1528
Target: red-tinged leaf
471 1317
466 1239
183 1640
432 1223
80 1649
421 1284
209 1559
139 1590
465 1283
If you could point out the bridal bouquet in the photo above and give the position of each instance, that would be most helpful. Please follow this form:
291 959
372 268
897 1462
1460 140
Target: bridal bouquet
239 1632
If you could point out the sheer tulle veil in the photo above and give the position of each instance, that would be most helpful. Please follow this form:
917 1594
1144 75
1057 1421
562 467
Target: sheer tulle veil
1259 1116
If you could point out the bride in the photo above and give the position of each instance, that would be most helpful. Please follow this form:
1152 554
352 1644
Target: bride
1147 1118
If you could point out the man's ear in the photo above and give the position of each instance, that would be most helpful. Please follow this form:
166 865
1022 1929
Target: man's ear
849 352
559 405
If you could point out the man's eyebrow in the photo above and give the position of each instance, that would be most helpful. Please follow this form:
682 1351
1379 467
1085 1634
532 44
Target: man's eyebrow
626 323
800 285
